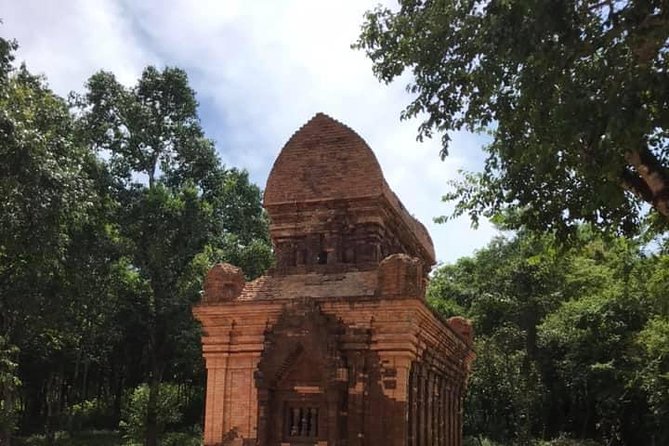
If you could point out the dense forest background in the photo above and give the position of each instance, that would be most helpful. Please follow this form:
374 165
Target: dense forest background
572 343
113 204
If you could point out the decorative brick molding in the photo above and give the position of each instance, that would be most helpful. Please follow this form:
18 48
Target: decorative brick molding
223 282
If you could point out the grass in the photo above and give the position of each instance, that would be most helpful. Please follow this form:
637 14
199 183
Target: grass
560 441
97 438
104 438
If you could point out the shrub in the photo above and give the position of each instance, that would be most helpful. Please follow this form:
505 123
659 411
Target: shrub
566 441
89 414
182 439
89 438
479 441
134 413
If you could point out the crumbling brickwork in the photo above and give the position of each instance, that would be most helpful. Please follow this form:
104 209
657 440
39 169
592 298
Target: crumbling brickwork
335 345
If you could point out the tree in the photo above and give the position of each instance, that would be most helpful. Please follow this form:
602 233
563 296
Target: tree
593 357
574 94
506 290
46 194
111 212
179 210
568 341
9 381
654 343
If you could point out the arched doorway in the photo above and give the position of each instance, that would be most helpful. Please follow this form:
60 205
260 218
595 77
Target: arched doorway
301 386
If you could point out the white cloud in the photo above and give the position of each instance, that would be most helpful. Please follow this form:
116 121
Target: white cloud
68 41
262 69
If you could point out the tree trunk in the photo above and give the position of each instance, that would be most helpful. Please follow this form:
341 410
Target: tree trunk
84 384
152 427
118 381
6 434
49 425
152 414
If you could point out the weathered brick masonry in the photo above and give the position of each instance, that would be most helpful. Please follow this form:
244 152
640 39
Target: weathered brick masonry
335 345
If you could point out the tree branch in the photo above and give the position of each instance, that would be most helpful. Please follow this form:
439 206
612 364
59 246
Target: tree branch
654 176
633 183
649 37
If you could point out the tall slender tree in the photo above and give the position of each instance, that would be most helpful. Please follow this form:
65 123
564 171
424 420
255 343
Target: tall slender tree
46 194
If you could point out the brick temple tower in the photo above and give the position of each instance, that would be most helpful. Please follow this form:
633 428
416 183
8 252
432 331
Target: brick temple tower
335 345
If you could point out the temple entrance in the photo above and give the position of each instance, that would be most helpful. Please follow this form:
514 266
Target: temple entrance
299 393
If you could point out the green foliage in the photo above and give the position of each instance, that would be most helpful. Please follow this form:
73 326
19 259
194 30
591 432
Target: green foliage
88 438
46 194
169 412
653 341
106 438
479 441
87 414
505 391
113 208
182 439
9 382
569 342
590 340
150 127
179 211
658 284
49 200
572 93
566 441
560 441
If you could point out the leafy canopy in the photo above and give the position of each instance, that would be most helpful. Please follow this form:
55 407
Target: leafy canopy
569 341
112 208
178 211
574 93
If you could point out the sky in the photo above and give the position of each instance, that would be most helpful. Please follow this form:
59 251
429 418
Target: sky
261 69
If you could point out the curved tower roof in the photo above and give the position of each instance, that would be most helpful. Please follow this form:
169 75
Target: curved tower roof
323 159
326 160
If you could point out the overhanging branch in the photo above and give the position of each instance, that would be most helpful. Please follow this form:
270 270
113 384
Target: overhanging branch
648 179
